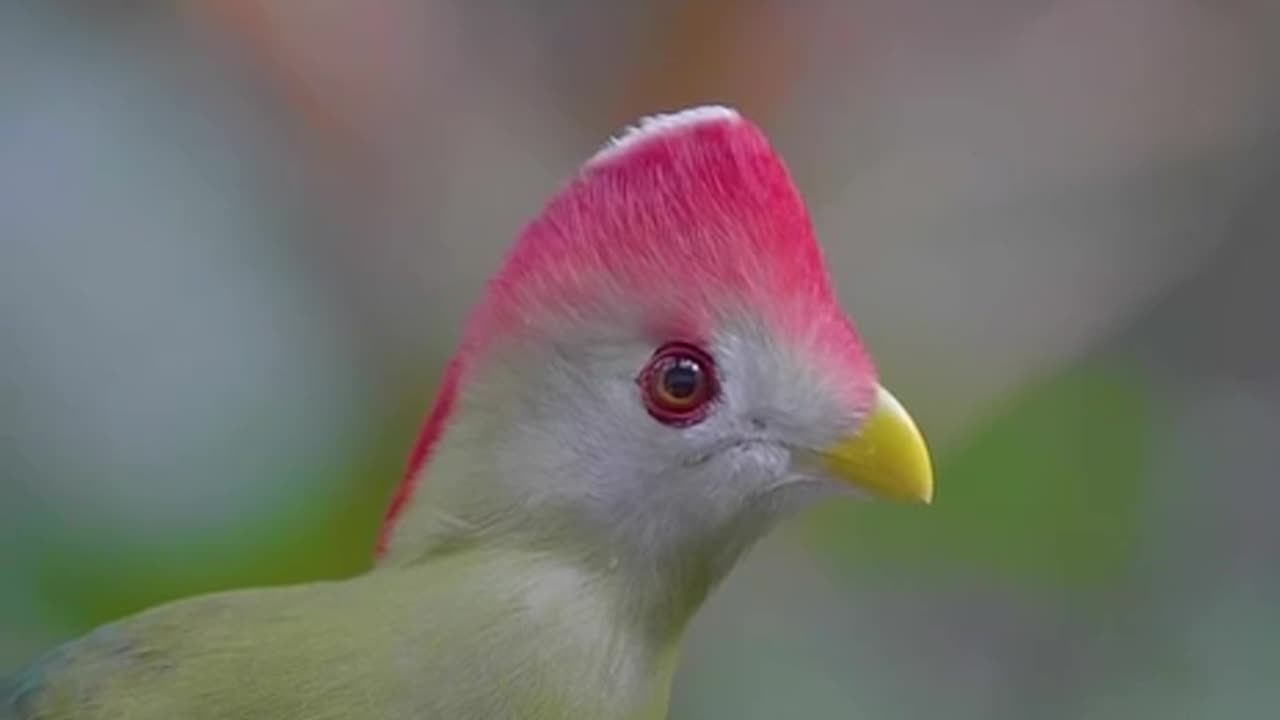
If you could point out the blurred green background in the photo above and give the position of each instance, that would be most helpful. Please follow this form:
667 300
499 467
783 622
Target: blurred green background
238 239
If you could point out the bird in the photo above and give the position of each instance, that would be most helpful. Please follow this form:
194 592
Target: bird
658 374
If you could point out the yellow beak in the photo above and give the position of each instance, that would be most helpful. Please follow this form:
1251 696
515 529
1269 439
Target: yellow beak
888 457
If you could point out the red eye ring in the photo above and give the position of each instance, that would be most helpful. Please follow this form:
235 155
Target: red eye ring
679 383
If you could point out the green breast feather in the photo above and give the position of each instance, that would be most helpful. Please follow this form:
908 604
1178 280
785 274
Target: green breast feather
468 639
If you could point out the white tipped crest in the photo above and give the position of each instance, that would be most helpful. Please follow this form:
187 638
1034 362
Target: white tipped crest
657 125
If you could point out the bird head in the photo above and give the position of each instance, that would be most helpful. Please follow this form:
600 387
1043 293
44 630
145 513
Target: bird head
659 372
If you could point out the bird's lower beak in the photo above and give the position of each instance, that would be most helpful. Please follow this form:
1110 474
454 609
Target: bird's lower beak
887 458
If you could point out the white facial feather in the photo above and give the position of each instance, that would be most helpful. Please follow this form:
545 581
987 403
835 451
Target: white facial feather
569 456
655 125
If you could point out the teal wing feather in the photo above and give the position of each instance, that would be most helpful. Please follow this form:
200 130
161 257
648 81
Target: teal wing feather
36 692
20 693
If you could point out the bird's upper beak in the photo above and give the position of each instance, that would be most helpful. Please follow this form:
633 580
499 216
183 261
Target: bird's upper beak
887 457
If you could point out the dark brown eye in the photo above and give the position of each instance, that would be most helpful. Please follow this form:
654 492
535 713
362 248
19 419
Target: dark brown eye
679 384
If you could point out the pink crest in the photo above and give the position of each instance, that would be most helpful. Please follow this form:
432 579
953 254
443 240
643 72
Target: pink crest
683 218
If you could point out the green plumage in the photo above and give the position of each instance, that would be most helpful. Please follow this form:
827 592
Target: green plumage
481 634
577 513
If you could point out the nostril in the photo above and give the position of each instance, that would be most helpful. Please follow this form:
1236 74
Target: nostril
757 423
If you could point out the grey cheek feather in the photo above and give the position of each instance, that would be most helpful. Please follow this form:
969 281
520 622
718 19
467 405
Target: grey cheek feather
579 435
552 441
769 382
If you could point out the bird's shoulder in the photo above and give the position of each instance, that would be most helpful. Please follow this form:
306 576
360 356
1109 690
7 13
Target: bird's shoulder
160 662
71 680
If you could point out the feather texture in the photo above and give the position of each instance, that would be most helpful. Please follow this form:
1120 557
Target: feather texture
684 219
482 634
563 538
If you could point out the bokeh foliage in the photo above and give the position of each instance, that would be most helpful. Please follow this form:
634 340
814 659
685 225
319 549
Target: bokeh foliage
1045 494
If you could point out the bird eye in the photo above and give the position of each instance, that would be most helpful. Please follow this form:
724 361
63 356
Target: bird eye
679 384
